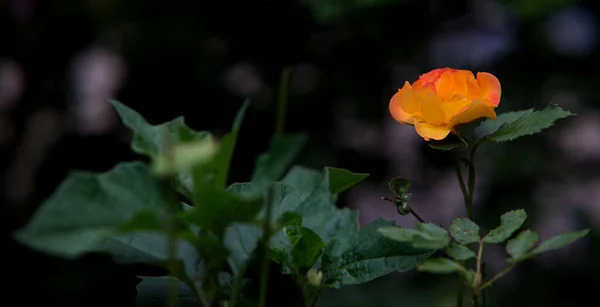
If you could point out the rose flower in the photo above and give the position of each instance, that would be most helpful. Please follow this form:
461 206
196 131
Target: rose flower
445 98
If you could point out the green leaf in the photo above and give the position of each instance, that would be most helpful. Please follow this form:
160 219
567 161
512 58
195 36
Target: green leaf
154 141
270 166
307 246
460 252
521 244
449 143
489 126
509 223
316 207
560 241
399 234
215 209
399 186
184 157
341 179
430 236
361 256
223 160
464 231
441 266
527 124
426 236
303 179
91 212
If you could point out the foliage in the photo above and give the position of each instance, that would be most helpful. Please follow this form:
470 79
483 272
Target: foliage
133 214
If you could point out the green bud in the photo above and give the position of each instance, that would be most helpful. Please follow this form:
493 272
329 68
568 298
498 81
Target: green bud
315 277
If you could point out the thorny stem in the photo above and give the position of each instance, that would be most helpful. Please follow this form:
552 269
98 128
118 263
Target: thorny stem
264 267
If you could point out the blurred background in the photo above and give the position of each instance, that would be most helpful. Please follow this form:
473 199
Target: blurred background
60 60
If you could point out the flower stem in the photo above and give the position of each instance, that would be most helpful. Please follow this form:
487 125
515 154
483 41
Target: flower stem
413 212
461 181
496 277
472 175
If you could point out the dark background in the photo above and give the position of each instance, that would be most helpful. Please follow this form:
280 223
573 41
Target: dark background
61 59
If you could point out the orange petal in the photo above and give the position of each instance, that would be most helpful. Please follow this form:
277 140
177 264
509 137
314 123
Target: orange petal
490 86
396 109
409 100
429 77
456 105
475 110
453 82
431 132
431 107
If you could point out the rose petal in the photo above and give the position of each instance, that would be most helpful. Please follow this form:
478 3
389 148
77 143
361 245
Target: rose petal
409 100
457 105
397 111
490 86
431 132
453 82
431 108
429 77
475 110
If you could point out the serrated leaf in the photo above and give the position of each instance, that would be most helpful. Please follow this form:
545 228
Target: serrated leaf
430 236
489 126
307 246
464 231
441 266
316 207
560 241
116 212
426 236
528 124
155 140
359 257
273 164
460 252
399 185
399 234
341 179
521 244
509 223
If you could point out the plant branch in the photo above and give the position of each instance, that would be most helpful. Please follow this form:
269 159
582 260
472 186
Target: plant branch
413 212
497 276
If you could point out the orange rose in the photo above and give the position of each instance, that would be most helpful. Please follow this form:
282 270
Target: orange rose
444 98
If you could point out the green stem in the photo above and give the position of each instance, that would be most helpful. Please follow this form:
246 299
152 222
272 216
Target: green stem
413 212
281 101
460 292
461 181
472 174
237 285
496 277
264 268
